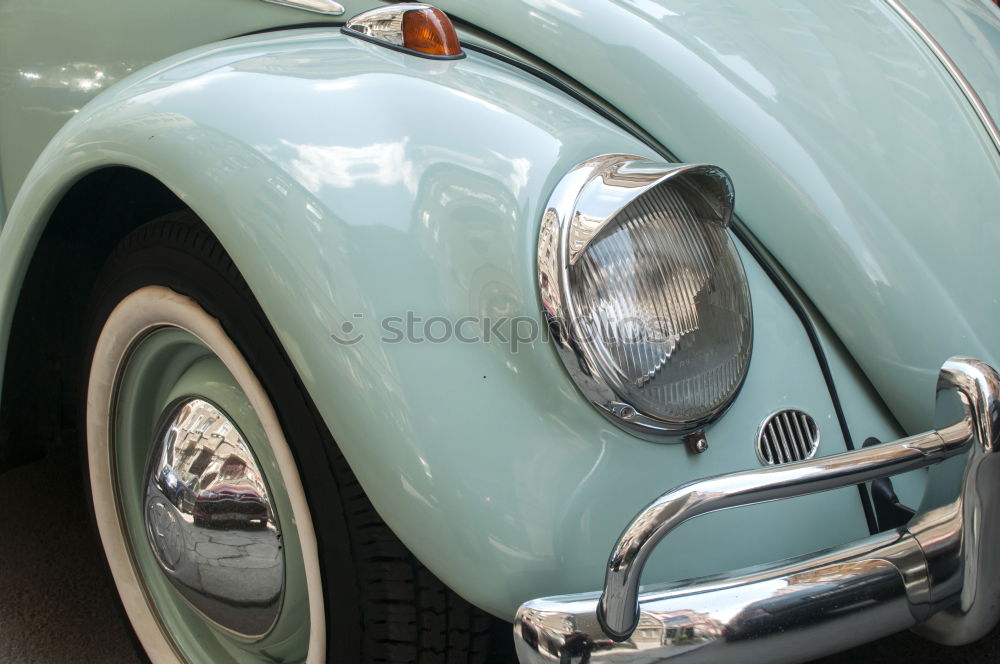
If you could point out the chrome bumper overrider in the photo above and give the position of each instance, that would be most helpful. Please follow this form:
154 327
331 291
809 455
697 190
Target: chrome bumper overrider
940 573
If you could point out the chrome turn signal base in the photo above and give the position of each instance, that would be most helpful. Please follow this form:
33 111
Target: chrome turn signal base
935 573
409 27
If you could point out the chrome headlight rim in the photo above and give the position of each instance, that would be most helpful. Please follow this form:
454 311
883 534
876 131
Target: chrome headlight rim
584 202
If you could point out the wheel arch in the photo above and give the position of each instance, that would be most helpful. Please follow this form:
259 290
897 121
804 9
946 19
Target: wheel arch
42 373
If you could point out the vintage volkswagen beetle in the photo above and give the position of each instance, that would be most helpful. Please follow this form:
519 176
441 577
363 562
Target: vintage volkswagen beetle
328 296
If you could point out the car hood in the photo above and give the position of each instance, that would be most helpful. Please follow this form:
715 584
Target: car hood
857 161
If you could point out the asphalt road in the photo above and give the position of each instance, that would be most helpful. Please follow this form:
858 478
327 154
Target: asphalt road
57 604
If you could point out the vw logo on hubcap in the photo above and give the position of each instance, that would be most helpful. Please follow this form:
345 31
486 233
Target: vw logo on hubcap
164 532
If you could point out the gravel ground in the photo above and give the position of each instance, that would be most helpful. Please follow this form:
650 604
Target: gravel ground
57 604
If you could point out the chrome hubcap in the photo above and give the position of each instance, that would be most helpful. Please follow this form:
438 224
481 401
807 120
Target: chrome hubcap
210 521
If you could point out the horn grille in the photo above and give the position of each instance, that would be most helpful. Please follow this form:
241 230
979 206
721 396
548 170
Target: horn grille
787 436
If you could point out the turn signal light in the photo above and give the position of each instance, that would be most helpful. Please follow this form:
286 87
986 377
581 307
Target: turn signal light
413 28
430 31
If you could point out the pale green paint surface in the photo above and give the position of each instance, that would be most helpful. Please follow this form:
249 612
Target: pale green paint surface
56 55
969 32
864 410
375 183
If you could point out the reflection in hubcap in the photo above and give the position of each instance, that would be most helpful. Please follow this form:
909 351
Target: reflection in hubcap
210 521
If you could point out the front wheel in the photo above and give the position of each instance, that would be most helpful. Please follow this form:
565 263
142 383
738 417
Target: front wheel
233 528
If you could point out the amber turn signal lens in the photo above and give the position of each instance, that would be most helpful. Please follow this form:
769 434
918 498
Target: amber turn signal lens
429 31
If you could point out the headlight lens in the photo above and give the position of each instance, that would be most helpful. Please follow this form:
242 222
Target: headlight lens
645 292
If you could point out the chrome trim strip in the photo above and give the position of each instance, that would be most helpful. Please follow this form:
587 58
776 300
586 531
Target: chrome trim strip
936 572
970 93
328 7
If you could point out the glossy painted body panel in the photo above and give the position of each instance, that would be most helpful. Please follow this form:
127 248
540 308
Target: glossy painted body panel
969 31
858 162
363 186
56 56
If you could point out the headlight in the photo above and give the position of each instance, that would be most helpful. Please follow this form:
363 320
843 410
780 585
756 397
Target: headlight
644 292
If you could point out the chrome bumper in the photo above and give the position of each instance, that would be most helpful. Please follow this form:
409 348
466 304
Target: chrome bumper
940 573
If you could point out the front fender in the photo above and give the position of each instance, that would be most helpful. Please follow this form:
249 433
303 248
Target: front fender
352 184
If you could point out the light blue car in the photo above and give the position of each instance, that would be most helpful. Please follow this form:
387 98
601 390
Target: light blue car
390 328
